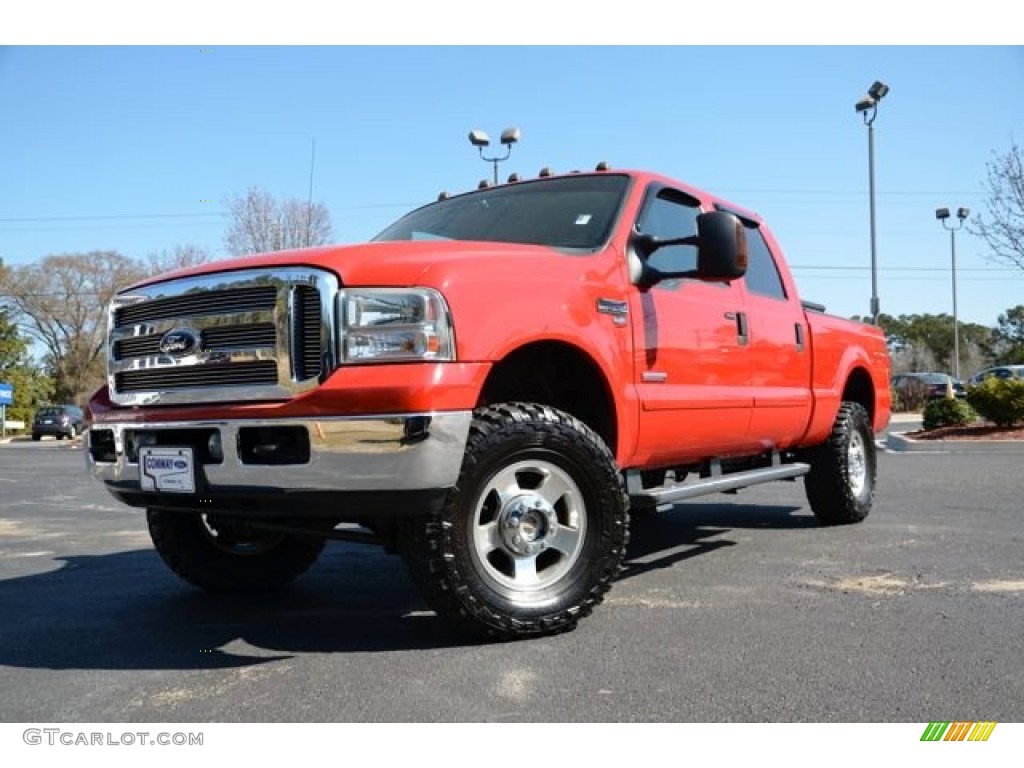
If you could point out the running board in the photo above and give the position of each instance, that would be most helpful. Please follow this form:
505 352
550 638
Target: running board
666 495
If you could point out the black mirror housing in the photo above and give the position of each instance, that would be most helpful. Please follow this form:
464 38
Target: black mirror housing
722 253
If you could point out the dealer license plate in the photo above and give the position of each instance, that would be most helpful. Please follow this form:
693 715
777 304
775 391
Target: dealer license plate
162 468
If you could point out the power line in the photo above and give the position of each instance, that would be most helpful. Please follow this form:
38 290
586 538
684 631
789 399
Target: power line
108 217
853 192
197 214
904 269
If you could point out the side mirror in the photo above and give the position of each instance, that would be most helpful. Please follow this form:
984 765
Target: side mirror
722 253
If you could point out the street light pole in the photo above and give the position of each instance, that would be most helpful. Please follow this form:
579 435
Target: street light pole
942 214
868 107
479 139
871 196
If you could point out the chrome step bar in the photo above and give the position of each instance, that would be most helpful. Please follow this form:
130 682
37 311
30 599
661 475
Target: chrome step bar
717 481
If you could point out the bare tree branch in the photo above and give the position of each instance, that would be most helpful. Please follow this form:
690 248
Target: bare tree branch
261 224
179 257
62 301
1002 224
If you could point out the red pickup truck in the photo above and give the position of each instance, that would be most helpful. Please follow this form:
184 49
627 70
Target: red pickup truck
490 387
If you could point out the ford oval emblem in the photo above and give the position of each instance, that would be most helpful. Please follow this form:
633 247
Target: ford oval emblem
179 342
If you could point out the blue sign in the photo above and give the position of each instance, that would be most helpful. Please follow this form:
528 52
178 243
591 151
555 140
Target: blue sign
6 394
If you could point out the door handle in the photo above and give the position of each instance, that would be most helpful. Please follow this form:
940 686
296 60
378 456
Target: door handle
742 332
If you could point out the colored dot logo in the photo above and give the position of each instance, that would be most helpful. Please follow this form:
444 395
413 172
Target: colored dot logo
961 731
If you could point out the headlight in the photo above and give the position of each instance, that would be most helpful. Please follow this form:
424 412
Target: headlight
384 325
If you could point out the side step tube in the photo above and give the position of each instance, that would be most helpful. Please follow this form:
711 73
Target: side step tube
669 494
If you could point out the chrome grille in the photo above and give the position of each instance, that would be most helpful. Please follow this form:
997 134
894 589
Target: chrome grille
225 337
307 345
205 303
261 372
247 335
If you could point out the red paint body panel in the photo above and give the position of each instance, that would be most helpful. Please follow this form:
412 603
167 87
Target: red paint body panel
684 387
362 390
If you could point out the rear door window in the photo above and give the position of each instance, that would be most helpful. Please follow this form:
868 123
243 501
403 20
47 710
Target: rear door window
762 273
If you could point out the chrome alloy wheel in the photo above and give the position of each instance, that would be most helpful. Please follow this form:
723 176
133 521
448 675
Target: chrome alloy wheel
528 527
856 463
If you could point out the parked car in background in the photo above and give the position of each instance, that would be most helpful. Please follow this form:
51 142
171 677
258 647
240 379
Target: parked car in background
1000 372
58 420
927 385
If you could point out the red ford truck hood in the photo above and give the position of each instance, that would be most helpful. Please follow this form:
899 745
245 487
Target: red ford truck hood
394 263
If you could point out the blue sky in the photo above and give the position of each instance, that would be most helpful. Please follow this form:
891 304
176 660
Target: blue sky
138 148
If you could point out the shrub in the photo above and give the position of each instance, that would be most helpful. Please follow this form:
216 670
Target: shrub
20 414
1000 401
948 413
911 396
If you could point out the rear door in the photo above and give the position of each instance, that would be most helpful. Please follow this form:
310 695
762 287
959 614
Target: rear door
691 361
780 353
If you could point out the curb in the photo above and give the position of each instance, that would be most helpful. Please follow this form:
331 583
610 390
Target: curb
75 443
896 441
903 418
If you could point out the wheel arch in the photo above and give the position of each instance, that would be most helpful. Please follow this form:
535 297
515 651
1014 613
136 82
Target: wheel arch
860 388
558 374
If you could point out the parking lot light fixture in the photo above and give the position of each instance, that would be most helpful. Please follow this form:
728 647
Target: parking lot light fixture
509 136
867 106
943 215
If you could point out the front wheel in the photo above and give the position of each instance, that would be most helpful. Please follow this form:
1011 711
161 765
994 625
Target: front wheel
222 555
841 483
529 540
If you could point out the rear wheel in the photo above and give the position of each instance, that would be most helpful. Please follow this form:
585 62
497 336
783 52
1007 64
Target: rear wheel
532 535
841 483
222 555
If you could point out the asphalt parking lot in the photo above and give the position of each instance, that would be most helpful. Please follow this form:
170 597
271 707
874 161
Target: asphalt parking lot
735 608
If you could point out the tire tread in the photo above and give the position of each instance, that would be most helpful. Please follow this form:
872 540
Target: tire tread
432 559
827 484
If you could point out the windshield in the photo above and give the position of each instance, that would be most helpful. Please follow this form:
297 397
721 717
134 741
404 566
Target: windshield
575 212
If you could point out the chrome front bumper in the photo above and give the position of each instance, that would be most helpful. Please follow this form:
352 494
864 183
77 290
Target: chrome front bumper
407 452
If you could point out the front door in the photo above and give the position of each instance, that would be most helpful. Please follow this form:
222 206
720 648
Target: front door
691 359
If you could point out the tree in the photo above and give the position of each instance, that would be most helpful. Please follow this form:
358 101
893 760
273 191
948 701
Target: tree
179 257
32 388
259 224
925 343
1002 223
61 302
1009 336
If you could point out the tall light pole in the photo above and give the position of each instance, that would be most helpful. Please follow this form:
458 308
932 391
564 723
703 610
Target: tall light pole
479 139
868 107
942 214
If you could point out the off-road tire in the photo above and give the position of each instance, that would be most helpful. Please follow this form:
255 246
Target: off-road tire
256 563
520 456
72 432
36 438
841 483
